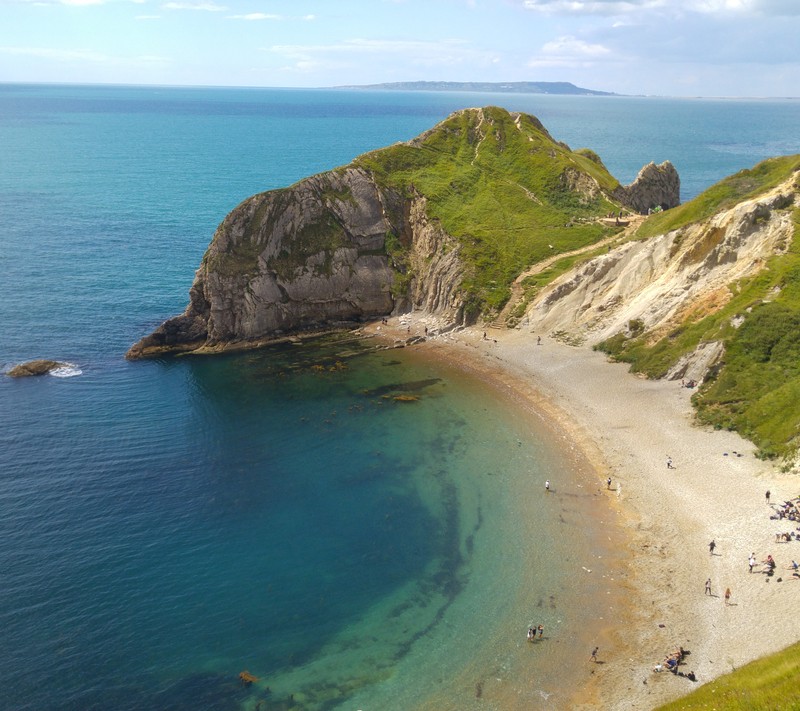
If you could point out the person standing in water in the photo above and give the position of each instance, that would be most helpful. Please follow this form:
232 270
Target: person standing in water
547 485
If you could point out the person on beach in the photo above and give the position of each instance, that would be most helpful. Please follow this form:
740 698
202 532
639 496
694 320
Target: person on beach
541 631
538 340
669 462
547 485
767 495
752 561
727 596
708 586
712 546
531 633
593 658
608 483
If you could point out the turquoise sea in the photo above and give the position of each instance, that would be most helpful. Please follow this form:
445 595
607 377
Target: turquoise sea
168 524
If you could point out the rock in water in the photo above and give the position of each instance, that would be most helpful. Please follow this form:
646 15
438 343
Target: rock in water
35 367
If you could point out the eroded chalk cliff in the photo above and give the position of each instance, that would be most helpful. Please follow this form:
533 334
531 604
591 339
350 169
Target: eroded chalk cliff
653 287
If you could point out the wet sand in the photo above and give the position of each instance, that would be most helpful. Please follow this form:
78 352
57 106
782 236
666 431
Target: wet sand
627 428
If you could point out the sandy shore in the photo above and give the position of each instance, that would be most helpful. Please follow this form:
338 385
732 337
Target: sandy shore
628 427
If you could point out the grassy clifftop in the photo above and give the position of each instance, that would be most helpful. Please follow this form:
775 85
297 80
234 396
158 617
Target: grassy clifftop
501 186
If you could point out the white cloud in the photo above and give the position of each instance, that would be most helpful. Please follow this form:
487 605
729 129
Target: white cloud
591 7
254 16
365 46
351 54
775 8
675 7
204 5
569 52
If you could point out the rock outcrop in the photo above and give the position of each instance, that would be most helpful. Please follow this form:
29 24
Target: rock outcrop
36 367
290 260
656 186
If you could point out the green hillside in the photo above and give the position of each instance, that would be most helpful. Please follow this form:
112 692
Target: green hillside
756 390
768 684
504 188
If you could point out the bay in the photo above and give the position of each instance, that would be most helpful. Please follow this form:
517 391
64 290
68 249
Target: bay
170 523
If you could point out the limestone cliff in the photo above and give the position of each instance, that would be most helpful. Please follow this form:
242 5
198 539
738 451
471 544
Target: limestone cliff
443 223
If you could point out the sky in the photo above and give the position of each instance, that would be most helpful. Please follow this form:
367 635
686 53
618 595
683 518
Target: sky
653 47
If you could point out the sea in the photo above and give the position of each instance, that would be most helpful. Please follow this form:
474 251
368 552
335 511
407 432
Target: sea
356 529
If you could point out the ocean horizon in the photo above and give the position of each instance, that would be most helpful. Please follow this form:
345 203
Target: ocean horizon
171 523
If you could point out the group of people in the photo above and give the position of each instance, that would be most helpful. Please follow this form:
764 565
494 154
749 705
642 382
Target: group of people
788 509
671 663
532 630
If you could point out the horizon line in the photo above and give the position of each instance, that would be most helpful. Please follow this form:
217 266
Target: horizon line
372 87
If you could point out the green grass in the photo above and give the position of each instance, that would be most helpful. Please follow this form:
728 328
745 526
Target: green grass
768 684
500 190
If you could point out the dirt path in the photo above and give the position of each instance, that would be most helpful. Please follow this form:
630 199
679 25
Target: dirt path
517 288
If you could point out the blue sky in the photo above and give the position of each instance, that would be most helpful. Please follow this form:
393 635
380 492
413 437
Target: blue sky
666 47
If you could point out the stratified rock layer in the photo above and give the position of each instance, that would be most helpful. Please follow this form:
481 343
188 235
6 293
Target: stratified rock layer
655 285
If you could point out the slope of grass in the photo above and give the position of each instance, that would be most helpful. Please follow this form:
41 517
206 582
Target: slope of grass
725 194
768 684
499 187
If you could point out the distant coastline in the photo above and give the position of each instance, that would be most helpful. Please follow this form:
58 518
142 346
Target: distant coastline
512 87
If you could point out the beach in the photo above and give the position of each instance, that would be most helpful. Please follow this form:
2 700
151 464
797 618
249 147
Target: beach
675 487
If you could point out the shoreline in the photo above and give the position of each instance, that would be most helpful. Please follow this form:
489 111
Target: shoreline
626 427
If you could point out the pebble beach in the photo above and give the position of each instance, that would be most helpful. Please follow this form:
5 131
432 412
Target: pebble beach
675 487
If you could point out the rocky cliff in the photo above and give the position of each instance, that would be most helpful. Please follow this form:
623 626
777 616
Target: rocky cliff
443 223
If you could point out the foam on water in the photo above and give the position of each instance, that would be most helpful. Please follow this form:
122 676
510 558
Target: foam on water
67 370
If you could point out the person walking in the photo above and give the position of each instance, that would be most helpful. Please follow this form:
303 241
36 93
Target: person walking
593 658
727 596
712 546
708 586
752 561
547 485
767 495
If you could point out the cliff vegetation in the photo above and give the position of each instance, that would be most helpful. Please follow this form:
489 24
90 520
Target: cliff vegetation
504 189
